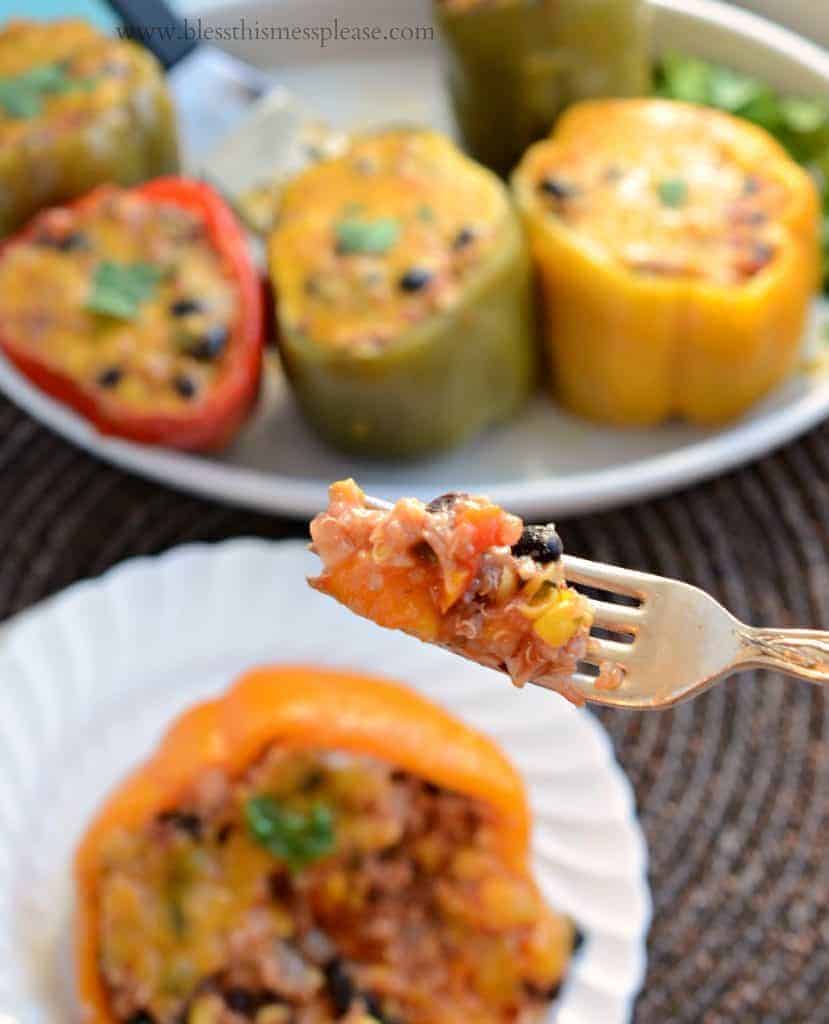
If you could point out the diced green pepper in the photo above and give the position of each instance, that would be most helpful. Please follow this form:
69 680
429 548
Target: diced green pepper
514 65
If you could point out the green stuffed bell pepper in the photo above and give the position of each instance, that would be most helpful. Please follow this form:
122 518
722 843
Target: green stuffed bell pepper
404 296
514 65
77 110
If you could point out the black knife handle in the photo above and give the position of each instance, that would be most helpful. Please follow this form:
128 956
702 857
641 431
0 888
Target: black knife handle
155 25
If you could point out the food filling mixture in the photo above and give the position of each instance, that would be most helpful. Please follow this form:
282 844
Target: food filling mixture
459 572
57 78
126 296
371 244
668 206
318 887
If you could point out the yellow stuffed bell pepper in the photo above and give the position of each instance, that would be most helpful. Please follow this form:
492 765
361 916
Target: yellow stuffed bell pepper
677 249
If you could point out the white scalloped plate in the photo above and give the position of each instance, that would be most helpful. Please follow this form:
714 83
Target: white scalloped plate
89 679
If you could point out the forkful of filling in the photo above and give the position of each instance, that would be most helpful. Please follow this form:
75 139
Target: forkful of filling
462 573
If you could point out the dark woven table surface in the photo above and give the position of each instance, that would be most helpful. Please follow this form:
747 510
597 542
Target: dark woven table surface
733 789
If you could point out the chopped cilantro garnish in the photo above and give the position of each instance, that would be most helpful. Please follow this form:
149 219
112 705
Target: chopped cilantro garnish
296 837
21 96
366 236
673 192
119 289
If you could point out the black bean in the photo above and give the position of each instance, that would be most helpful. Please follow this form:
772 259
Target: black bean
110 378
547 994
224 833
465 237
541 543
558 189
375 1008
280 889
750 217
210 345
578 939
340 987
141 1017
763 253
184 821
313 780
416 279
445 502
184 307
344 993
65 243
185 387
240 1000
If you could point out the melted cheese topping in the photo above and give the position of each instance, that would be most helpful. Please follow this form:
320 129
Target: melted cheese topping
170 354
671 199
435 216
101 75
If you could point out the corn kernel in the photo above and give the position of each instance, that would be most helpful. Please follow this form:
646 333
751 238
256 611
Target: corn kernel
560 620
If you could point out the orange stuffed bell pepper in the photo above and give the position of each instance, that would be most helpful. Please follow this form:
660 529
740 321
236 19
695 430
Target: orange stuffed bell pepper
322 845
678 253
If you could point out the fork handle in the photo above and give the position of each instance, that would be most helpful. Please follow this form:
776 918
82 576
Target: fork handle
797 652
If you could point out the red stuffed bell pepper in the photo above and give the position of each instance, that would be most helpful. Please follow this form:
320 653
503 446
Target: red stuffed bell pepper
141 309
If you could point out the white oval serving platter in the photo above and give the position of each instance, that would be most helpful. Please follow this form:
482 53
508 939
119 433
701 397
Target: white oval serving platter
545 462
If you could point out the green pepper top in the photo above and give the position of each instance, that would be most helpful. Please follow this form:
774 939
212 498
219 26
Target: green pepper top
374 242
58 77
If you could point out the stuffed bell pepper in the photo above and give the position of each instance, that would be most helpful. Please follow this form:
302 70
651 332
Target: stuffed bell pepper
514 65
316 847
77 109
404 296
678 253
462 573
140 309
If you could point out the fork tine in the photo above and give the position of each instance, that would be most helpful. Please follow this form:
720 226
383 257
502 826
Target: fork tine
618 617
604 577
599 650
582 681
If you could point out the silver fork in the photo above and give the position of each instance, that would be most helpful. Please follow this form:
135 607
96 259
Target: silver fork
678 641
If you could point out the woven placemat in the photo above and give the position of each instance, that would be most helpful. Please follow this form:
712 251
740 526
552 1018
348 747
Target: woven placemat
733 789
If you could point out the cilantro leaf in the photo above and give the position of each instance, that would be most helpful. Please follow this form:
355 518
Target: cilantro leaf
366 236
673 192
21 96
119 289
684 78
295 837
